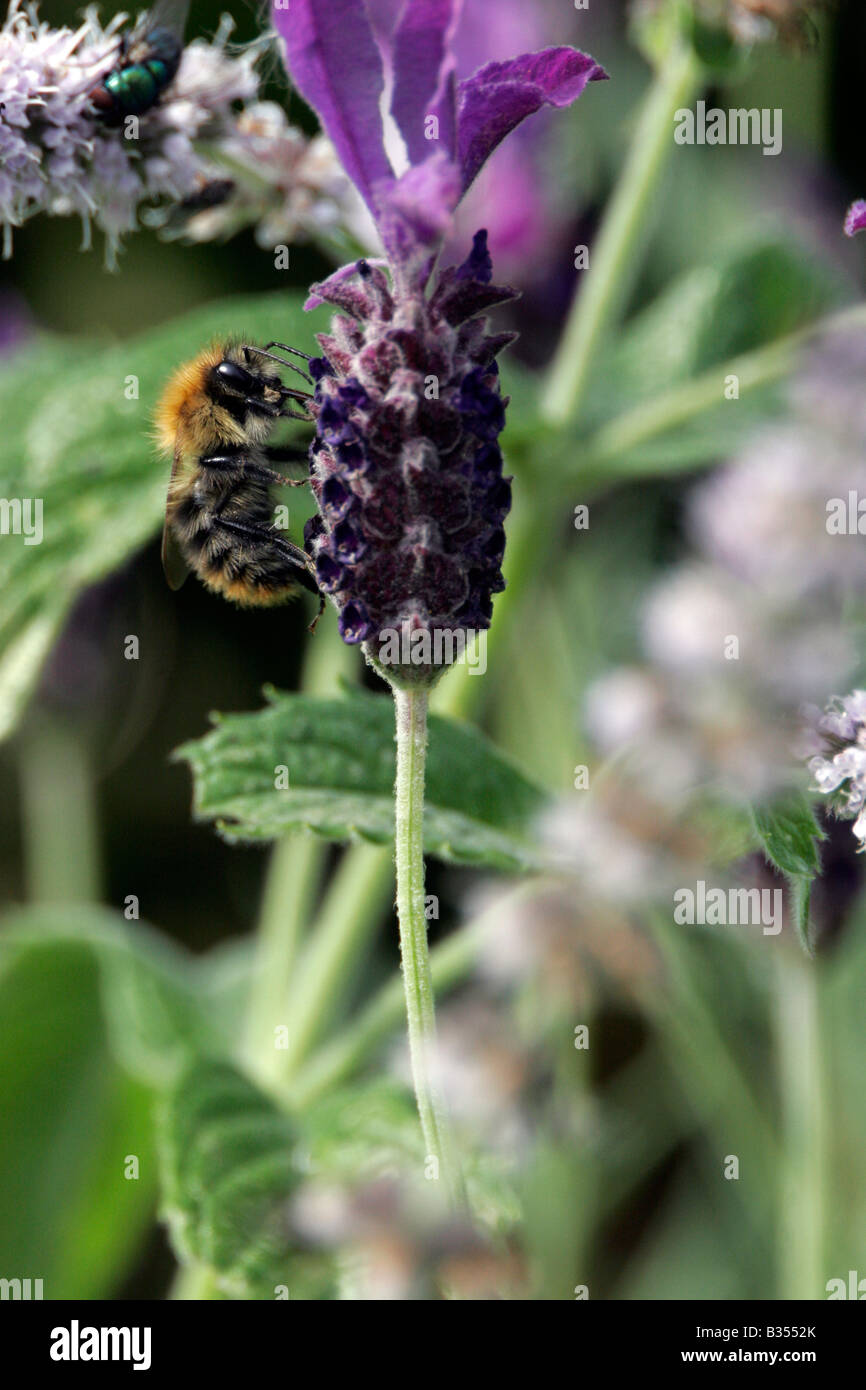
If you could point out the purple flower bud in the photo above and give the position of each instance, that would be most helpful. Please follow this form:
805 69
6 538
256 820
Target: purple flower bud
354 624
478 265
319 367
406 468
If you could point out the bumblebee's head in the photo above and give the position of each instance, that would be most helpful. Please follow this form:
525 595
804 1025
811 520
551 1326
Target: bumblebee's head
236 378
240 387
245 383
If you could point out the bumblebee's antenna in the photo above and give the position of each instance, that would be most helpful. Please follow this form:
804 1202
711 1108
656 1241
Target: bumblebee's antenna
263 352
295 351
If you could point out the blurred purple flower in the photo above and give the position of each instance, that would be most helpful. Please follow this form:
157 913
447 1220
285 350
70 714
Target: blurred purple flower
855 221
392 1243
406 467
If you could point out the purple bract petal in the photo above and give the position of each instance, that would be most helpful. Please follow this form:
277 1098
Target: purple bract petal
346 272
414 212
384 15
856 218
424 75
336 66
500 95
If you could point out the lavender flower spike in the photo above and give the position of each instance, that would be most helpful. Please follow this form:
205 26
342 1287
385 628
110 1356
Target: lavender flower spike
855 220
407 470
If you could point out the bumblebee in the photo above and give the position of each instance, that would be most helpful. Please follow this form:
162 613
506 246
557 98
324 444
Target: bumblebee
148 61
215 418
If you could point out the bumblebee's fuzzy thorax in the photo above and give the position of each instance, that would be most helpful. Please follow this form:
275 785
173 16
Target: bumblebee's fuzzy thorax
185 390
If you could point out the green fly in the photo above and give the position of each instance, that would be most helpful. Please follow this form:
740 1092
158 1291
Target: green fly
148 60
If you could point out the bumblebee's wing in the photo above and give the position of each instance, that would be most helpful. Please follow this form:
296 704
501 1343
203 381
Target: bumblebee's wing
173 562
175 566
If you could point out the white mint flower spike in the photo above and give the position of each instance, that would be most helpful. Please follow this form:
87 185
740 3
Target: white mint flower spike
840 771
286 185
57 157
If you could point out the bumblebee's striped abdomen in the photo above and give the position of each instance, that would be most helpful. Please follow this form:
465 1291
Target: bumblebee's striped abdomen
247 591
251 580
251 570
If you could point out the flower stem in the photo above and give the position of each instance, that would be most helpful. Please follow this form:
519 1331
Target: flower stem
450 962
352 907
289 894
608 278
60 814
194 1283
292 883
803 1169
411 715
763 366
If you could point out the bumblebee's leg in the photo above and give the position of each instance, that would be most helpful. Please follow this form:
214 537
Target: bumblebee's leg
281 411
293 394
288 453
321 610
297 558
238 464
273 412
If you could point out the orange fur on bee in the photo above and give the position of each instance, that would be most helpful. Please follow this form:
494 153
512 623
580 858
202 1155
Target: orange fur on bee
186 414
239 591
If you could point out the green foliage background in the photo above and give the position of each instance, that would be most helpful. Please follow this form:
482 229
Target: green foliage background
120 1039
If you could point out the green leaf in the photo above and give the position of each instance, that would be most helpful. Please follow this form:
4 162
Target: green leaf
370 1131
799 896
790 835
86 451
229 1172
340 757
654 405
758 293
682 431
155 1007
69 1214
362 1133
